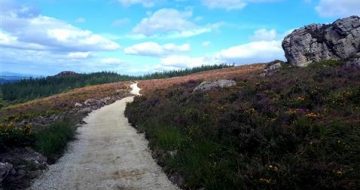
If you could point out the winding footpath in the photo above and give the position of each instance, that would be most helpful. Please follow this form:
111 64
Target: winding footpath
108 154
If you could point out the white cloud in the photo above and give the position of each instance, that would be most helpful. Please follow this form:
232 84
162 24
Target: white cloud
40 43
264 34
6 39
264 47
257 51
155 49
183 61
78 55
252 52
338 8
29 29
173 23
230 4
145 3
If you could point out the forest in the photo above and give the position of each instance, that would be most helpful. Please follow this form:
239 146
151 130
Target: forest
29 89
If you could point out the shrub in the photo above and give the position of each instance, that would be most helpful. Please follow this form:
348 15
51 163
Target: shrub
52 141
11 136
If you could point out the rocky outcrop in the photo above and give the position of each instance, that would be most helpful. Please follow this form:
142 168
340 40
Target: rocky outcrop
337 41
19 166
209 85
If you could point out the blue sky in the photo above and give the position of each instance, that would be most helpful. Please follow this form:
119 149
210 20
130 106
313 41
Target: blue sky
44 37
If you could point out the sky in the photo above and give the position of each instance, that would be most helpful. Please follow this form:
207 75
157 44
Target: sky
135 37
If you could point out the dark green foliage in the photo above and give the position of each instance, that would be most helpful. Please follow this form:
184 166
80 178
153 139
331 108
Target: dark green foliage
183 72
52 140
35 88
10 136
298 129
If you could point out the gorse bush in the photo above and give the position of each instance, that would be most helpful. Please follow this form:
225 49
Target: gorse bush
50 141
11 136
297 129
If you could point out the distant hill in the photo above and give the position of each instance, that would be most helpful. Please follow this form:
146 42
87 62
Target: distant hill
9 77
66 74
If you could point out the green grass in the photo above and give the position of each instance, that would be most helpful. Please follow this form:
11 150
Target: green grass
52 141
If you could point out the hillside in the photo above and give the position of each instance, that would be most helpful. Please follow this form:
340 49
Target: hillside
47 124
33 88
297 128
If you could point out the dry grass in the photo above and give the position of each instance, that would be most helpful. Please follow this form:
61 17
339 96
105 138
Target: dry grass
227 73
64 101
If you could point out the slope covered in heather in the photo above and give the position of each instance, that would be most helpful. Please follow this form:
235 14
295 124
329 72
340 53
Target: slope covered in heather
297 128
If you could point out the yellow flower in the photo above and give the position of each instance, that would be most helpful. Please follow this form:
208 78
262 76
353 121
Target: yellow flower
312 115
264 180
300 98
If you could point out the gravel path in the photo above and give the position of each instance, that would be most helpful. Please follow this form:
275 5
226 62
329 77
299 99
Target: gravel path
109 154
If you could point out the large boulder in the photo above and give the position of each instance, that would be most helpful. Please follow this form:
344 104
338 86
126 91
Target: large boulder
337 41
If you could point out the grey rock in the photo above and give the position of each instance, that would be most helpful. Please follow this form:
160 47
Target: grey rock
34 157
5 170
105 100
90 102
337 41
271 68
77 105
85 110
21 173
209 85
177 179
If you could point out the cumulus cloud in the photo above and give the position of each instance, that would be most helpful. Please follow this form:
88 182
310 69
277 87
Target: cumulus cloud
37 42
155 49
230 4
79 55
336 8
26 28
252 52
257 51
171 22
265 46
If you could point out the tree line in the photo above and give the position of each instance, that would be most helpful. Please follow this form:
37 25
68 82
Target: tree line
29 89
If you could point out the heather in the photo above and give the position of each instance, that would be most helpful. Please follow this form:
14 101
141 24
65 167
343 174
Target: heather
296 129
